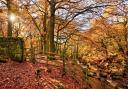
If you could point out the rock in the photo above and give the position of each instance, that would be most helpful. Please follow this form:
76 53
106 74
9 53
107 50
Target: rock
92 68
117 74
101 66
112 83
106 64
116 77
103 74
91 74
125 75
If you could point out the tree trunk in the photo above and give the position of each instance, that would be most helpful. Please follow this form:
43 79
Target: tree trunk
51 27
57 43
63 59
45 37
32 51
9 32
41 45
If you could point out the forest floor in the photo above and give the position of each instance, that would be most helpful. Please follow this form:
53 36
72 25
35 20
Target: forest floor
26 75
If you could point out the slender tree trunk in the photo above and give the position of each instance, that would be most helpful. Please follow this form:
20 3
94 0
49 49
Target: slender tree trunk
9 32
74 53
41 45
45 43
0 28
126 38
63 58
22 48
57 43
32 51
77 49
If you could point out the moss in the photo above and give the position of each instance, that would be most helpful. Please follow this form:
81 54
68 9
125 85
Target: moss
12 47
59 85
51 57
2 60
74 62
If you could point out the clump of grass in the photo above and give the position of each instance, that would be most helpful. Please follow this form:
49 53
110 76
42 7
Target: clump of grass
59 85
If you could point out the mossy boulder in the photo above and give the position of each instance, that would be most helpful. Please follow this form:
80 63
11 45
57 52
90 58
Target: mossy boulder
12 47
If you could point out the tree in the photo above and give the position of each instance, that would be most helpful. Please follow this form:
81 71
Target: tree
67 8
9 21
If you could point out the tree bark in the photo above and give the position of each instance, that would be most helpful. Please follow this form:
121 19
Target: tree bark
51 27
45 37
9 32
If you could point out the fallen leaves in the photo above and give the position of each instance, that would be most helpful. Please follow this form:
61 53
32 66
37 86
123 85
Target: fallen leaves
15 75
